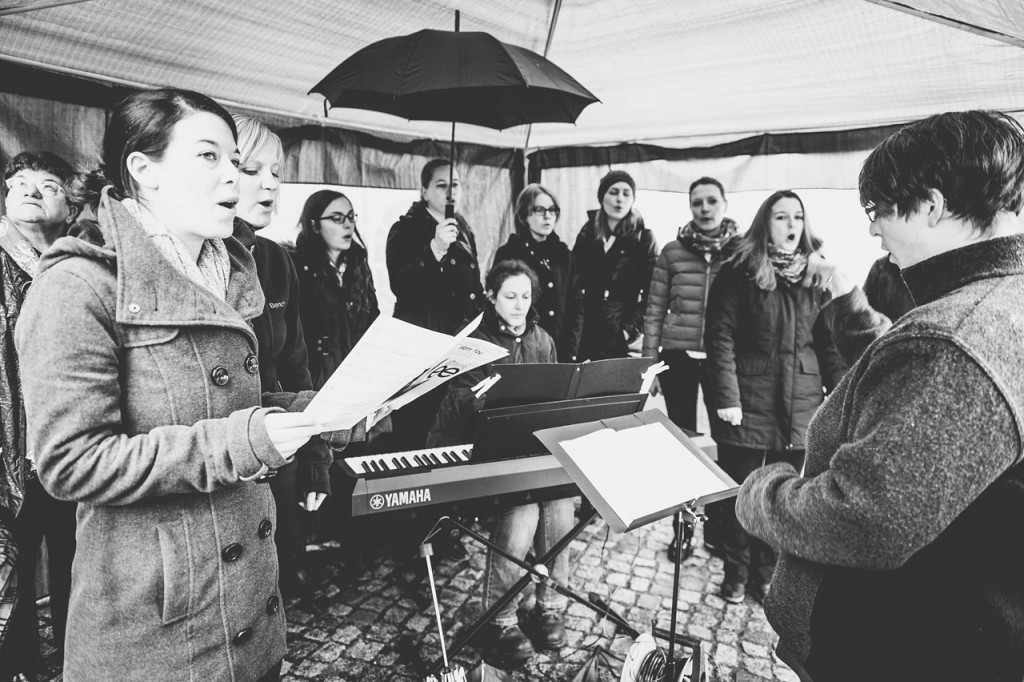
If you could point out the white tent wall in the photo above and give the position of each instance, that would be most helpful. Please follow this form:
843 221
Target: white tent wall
576 188
666 71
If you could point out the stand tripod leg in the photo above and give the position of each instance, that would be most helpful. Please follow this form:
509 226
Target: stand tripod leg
519 585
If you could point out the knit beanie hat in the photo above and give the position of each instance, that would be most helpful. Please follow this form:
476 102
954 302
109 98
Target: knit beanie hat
611 178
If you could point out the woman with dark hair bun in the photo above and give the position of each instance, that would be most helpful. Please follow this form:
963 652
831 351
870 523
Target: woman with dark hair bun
770 359
338 301
511 322
536 243
143 396
614 255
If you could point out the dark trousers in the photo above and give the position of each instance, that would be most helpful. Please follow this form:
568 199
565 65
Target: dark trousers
290 533
41 517
679 383
746 557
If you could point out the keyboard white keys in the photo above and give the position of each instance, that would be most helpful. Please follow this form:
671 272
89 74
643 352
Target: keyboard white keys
410 460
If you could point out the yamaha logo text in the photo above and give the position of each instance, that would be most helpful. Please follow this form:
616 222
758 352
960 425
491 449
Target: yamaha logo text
400 499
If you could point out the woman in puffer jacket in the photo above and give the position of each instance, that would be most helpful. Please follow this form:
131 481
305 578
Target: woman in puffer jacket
614 255
769 363
674 321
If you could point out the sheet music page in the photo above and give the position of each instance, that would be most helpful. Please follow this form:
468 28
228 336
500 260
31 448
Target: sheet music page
641 470
465 355
391 356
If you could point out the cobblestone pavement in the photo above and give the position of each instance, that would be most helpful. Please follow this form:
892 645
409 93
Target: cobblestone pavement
370 619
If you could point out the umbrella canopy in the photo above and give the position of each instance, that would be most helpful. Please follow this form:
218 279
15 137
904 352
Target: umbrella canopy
469 77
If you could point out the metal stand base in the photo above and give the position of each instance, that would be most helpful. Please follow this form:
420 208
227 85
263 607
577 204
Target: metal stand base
593 602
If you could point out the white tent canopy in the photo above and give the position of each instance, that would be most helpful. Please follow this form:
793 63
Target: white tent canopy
669 72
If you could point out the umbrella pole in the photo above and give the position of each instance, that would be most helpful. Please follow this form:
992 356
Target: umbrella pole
449 204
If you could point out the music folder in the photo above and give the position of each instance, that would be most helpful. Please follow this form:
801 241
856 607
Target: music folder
637 468
523 384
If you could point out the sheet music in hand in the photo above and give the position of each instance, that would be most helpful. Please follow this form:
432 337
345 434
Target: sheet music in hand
637 469
393 364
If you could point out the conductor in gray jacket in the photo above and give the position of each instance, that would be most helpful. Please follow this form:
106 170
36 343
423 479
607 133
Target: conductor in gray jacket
903 542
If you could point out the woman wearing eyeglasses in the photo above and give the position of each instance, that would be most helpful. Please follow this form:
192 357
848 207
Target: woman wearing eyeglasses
338 301
536 243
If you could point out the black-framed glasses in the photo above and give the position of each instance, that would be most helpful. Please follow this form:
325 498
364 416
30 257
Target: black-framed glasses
47 188
341 218
874 212
545 210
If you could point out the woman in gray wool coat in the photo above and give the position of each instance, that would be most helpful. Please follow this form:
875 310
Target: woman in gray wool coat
901 541
142 390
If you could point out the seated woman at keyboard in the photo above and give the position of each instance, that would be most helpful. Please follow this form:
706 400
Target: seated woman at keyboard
510 321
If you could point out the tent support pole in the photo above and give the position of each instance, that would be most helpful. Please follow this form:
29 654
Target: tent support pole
555 11
962 25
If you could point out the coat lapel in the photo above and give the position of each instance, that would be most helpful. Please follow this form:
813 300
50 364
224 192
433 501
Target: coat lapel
150 291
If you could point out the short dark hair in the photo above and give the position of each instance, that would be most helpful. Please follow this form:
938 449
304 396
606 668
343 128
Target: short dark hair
525 202
707 181
45 162
975 158
504 269
428 170
142 122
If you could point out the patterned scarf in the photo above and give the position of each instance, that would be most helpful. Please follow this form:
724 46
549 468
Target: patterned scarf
18 248
213 268
707 242
788 266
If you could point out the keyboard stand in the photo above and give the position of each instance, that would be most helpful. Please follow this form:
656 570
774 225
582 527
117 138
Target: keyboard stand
532 572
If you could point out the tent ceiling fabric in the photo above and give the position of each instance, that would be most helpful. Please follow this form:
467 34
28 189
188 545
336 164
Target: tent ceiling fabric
667 72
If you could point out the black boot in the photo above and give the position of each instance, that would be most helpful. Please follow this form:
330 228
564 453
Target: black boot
507 644
547 629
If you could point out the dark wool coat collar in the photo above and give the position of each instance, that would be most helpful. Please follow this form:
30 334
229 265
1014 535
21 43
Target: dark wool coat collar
942 274
150 291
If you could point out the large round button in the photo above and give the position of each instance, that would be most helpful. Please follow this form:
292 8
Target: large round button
551 313
273 604
231 552
550 285
265 528
242 637
472 297
252 364
219 375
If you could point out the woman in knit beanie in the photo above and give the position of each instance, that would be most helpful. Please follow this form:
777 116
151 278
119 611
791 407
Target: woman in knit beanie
614 257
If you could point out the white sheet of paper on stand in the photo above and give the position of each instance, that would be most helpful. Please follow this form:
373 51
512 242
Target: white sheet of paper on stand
641 470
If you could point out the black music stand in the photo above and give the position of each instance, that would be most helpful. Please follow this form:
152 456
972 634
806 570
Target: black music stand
684 511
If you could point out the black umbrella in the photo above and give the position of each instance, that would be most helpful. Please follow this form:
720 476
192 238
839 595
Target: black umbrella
467 77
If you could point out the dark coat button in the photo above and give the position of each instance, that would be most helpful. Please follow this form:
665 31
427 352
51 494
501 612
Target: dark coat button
273 604
242 637
231 552
252 364
219 375
265 528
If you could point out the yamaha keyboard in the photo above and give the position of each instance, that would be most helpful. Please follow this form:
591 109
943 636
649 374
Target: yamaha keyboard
409 480
402 481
